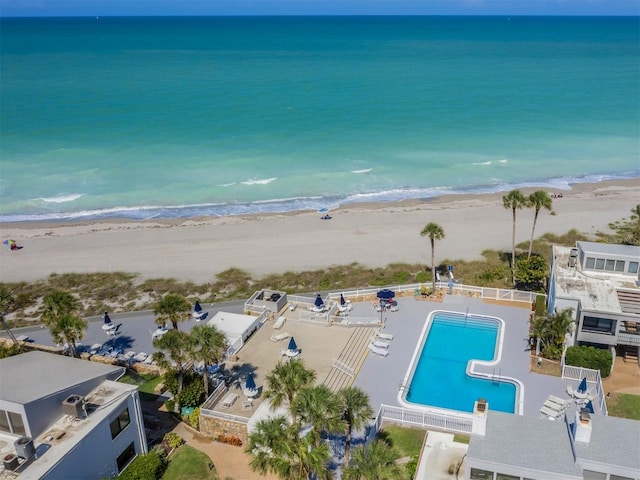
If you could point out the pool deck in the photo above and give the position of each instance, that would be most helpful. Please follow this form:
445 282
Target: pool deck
381 377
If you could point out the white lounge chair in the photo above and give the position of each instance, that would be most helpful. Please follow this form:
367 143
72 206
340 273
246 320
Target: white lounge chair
279 323
383 352
229 400
95 348
248 403
140 357
549 412
379 343
384 336
280 337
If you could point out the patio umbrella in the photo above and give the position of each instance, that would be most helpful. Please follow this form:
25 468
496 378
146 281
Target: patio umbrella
582 388
589 406
106 318
319 302
342 300
197 308
386 294
292 345
250 384
107 325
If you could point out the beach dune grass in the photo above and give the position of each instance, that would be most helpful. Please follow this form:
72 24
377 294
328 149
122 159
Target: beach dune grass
121 291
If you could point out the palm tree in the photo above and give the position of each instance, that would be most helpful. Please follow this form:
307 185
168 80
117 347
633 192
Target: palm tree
538 200
374 461
550 331
277 447
174 350
285 380
69 329
357 411
434 232
209 344
319 407
171 308
56 304
514 200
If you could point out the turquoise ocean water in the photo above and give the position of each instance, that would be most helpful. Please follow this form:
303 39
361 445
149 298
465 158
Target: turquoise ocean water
169 117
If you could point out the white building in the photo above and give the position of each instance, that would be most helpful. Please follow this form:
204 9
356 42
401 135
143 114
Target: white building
236 327
73 420
601 283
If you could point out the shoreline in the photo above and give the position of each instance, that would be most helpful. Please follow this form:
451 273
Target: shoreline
372 234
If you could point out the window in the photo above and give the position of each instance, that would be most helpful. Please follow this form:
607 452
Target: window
619 265
633 267
11 422
610 266
590 475
477 474
125 457
599 263
504 476
119 423
595 324
590 262
618 477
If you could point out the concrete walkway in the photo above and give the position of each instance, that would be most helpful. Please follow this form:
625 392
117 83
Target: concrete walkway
229 461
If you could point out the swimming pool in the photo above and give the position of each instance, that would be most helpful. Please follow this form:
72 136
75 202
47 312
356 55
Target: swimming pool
440 370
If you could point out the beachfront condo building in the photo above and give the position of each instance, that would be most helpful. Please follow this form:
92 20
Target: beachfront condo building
61 417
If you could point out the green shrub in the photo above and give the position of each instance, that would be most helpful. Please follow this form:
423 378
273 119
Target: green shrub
194 418
173 440
145 467
590 357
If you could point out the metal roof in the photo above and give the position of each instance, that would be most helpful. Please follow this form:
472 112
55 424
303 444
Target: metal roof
33 375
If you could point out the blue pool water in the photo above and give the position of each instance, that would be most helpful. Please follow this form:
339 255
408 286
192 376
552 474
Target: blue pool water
440 378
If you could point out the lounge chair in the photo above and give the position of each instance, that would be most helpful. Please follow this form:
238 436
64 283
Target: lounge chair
379 343
95 348
248 403
280 337
557 407
570 391
383 352
140 357
549 412
229 400
279 323
384 336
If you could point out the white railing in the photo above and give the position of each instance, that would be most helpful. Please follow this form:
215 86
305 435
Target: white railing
593 377
207 408
629 338
447 423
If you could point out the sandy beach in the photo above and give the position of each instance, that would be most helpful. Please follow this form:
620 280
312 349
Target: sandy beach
370 234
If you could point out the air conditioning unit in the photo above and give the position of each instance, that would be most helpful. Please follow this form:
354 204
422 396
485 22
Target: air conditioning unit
24 447
73 405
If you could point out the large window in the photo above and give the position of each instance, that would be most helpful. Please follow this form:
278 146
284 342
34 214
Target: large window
504 476
600 325
477 474
119 423
591 262
11 422
619 265
125 457
633 267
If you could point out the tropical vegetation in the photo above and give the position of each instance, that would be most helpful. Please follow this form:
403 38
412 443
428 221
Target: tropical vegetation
538 200
434 232
513 201
172 308
626 231
590 357
549 332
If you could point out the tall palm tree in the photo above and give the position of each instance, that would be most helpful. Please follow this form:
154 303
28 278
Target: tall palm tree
285 380
174 350
550 331
171 308
319 407
357 411
434 232
68 328
538 200
374 461
514 200
209 345
56 304
277 447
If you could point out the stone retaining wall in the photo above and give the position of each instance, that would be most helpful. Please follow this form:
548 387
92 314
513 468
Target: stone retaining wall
215 427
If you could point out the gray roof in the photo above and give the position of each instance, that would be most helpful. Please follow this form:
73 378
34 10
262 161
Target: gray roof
614 441
609 249
36 374
527 442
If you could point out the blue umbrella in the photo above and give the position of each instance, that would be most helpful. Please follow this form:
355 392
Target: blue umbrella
589 406
386 294
319 302
292 344
342 301
250 384
106 318
197 308
582 388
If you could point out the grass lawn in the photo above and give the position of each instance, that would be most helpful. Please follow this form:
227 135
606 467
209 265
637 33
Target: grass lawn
624 405
408 441
187 462
146 383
